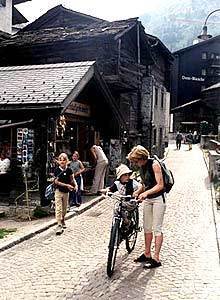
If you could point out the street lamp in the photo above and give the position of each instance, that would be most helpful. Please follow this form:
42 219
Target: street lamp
204 36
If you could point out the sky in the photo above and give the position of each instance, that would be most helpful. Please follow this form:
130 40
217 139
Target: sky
108 10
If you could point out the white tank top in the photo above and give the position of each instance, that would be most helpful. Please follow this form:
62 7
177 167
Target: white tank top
100 154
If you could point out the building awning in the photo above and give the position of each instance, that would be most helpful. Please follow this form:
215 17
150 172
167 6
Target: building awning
186 105
50 86
10 125
189 123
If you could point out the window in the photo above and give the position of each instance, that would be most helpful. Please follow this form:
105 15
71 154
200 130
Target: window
162 99
2 3
156 95
204 72
212 55
202 87
204 55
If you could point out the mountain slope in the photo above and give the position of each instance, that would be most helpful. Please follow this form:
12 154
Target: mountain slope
177 24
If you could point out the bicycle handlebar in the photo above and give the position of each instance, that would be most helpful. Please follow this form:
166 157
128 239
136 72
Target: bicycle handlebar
121 197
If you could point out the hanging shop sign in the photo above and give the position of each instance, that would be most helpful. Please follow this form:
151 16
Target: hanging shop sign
78 109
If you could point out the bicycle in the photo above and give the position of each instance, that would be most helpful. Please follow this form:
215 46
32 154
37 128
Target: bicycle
125 226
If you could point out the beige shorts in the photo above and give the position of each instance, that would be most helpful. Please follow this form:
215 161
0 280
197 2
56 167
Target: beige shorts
153 215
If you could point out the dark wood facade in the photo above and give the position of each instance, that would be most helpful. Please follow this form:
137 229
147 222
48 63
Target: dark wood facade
129 63
194 69
121 49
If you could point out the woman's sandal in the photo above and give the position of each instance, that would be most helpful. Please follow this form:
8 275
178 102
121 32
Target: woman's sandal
142 259
152 264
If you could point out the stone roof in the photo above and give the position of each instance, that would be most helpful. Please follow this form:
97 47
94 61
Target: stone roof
15 2
75 33
41 84
212 87
4 36
60 16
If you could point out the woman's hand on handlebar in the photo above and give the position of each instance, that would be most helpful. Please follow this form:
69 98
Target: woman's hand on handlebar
142 196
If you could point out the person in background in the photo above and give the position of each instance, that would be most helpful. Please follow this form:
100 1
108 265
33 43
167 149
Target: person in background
189 139
100 169
65 182
4 163
5 176
154 204
179 139
77 168
195 137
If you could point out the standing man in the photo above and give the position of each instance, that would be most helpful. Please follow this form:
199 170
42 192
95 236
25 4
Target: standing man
179 139
189 139
100 169
153 199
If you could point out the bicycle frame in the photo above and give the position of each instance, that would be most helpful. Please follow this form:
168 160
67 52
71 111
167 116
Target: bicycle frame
124 227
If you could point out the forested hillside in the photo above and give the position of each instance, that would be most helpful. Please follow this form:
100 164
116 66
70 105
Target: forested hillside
177 24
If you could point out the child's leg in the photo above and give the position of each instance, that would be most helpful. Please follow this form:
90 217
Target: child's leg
58 206
64 204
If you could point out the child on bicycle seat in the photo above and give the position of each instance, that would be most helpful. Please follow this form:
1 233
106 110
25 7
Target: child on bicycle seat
124 184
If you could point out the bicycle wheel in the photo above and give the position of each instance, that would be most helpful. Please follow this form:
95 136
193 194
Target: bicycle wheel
131 238
113 247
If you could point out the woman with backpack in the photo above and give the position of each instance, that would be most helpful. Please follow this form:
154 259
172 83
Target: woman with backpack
153 199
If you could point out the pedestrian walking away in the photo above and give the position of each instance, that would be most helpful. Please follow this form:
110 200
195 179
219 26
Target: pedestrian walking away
65 182
75 197
179 139
153 199
100 169
189 139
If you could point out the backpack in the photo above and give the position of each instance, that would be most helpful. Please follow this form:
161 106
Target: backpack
167 175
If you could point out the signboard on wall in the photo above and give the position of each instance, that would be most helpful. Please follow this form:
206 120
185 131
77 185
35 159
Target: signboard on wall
192 78
78 109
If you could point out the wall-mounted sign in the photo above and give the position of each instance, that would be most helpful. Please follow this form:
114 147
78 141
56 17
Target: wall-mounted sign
193 78
78 109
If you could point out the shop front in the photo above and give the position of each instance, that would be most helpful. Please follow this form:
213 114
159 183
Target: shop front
57 108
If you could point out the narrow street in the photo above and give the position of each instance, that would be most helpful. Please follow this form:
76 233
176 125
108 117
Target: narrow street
73 265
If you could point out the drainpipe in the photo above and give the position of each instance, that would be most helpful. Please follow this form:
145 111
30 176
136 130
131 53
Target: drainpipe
139 120
151 110
119 54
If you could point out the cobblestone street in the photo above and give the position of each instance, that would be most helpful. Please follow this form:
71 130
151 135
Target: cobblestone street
73 265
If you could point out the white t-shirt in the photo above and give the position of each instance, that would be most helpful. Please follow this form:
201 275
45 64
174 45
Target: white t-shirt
100 154
121 188
4 165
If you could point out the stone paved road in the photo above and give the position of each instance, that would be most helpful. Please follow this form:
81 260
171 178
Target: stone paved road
73 265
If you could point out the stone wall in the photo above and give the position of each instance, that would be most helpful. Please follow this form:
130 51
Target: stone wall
213 165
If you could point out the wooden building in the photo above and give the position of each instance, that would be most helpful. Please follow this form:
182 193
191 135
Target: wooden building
191 115
134 68
195 68
53 108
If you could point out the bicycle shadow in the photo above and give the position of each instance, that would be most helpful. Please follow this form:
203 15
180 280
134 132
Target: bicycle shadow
129 280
